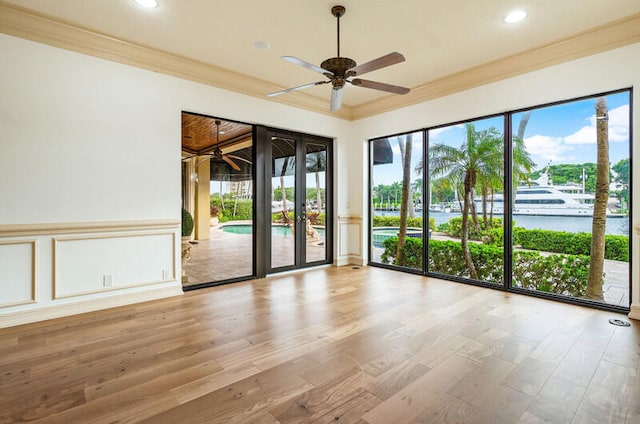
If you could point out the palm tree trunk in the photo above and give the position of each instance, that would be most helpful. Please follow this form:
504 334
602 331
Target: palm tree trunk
485 195
598 226
405 152
468 185
474 213
318 194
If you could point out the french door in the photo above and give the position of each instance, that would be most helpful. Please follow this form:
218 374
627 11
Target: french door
298 200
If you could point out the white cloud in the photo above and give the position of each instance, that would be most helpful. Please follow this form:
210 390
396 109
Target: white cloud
437 131
544 149
618 128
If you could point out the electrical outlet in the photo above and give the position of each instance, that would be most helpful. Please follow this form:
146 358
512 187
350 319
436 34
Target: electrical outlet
107 280
166 274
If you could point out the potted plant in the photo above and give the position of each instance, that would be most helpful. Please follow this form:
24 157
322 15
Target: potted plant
215 214
187 229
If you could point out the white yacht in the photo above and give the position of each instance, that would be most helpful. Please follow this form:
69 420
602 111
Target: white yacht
545 199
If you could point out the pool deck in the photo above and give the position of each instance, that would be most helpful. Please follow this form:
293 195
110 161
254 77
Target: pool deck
227 255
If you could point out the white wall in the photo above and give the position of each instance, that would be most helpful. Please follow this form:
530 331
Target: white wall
612 70
87 144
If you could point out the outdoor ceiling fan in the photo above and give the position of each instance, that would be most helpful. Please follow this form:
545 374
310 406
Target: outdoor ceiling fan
341 70
216 153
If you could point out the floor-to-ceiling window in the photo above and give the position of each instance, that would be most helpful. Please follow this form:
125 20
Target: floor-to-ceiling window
396 200
218 178
465 171
550 183
581 153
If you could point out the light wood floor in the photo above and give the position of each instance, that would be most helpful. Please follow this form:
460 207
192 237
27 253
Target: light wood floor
328 345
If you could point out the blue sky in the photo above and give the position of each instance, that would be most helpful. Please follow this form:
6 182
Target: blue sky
558 134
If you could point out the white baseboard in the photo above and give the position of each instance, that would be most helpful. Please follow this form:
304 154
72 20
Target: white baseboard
635 312
32 315
349 260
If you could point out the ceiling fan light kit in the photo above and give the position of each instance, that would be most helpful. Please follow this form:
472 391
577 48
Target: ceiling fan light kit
341 70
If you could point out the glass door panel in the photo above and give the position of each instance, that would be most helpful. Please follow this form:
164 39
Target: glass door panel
283 202
315 202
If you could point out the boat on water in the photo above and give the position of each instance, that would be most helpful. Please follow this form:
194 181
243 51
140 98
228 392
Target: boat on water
543 198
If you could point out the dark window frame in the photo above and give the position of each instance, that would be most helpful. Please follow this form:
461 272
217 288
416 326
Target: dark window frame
507 217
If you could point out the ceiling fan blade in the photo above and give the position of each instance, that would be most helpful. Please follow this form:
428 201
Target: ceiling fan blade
300 87
230 162
304 64
395 89
196 155
239 158
336 99
381 62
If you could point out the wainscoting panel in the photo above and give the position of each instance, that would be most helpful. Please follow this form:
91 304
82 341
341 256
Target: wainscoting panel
350 240
17 272
90 264
50 270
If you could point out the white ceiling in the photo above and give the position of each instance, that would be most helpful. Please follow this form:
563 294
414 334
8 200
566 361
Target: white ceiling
437 37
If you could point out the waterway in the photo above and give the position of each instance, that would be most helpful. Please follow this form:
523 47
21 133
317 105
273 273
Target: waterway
617 225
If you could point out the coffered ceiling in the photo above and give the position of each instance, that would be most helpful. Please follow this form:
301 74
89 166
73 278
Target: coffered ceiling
449 45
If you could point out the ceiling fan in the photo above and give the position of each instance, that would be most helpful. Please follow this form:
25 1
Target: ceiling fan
217 154
341 70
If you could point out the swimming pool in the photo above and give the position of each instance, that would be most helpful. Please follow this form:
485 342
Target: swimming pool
380 234
276 230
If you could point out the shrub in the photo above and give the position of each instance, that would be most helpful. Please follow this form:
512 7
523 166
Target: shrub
412 251
560 274
243 209
187 223
616 247
455 227
394 221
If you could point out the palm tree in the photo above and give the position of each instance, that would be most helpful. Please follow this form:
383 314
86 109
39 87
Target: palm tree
599 224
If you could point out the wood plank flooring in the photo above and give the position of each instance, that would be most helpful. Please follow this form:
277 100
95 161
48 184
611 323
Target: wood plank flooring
335 345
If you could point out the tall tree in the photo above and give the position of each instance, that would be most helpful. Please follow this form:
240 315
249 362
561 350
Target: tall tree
406 146
599 224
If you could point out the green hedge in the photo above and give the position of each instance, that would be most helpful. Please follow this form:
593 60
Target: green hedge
412 252
560 274
454 227
394 221
616 247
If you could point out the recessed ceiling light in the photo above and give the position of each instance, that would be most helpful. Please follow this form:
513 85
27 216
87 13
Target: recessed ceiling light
261 45
515 16
149 4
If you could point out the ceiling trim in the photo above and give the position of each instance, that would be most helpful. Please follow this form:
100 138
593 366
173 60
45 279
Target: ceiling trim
23 23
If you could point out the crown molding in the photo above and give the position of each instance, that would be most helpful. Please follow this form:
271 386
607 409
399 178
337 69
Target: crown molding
609 36
23 23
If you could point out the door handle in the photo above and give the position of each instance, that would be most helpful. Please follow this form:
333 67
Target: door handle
302 218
